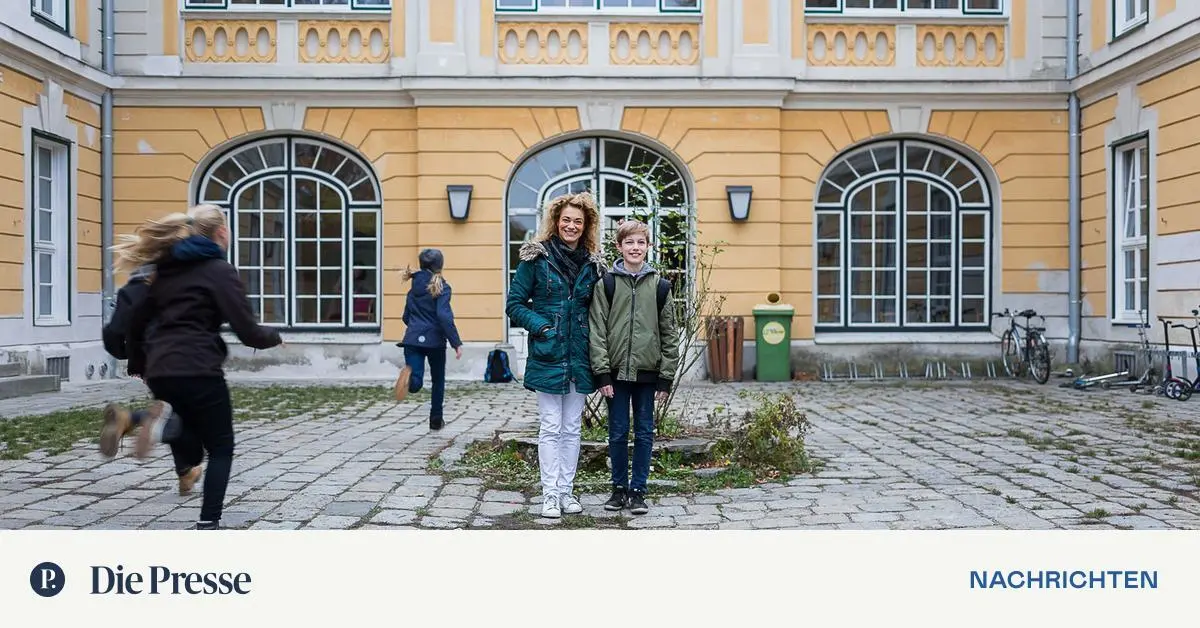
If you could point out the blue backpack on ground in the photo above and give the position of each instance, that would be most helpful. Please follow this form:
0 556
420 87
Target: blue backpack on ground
497 371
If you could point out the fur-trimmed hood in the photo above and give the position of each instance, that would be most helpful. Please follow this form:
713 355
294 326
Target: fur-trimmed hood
534 249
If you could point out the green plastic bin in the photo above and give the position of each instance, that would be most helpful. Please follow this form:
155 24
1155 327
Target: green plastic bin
773 341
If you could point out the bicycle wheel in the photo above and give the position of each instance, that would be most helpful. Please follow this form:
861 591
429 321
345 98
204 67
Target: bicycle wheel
1010 354
1039 359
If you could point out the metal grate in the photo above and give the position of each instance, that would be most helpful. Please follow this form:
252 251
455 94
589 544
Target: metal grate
1124 361
60 367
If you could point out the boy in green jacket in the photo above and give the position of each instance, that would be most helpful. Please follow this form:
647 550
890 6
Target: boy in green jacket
634 347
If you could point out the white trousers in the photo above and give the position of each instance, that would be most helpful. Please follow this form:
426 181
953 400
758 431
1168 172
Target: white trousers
558 440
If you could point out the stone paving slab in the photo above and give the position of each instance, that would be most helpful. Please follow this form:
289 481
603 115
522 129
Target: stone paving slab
918 456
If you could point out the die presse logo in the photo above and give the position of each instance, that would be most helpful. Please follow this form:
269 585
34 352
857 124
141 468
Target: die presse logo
48 580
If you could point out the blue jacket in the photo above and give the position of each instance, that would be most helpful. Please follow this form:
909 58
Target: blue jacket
430 320
556 316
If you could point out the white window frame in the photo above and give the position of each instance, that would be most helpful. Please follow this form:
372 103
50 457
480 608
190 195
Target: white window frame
57 243
596 7
289 6
1125 20
903 10
1131 195
59 15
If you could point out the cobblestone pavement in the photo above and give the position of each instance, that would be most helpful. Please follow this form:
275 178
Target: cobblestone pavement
928 456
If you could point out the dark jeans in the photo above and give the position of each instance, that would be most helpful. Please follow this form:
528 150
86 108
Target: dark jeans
641 397
415 358
206 412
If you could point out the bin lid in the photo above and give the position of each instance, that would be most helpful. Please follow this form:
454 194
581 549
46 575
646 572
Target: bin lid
778 309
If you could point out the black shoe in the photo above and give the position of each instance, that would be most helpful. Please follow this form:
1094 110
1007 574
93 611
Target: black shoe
436 423
207 525
637 503
617 501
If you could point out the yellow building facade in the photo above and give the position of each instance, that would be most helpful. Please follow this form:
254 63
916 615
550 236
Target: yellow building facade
909 167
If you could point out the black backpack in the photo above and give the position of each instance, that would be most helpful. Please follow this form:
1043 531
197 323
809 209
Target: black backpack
610 288
497 371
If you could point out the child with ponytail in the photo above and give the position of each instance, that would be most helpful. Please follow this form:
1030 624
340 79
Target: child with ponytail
174 343
430 325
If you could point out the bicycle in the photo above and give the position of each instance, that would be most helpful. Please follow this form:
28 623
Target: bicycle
1024 345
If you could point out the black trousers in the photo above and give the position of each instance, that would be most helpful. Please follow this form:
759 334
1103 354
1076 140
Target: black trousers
206 412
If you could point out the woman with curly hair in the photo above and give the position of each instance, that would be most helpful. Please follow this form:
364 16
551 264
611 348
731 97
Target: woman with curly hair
549 297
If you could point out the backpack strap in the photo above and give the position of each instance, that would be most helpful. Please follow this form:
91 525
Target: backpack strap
610 286
664 291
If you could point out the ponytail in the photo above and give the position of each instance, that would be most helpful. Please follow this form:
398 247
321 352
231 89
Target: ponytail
154 238
436 285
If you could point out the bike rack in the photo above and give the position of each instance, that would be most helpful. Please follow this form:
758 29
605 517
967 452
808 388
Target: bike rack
931 370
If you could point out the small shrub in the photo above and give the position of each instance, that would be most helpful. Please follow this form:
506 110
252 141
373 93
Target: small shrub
770 437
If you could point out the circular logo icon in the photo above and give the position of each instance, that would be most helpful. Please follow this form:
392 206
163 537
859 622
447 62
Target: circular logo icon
47 579
773 332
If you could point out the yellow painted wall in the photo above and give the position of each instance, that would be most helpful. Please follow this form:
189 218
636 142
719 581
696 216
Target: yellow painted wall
441 20
170 26
1175 169
711 42
756 21
1176 98
1019 27
85 115
155 152
399 41
82 15
1099 26
1094 186
20 91
1163 7
1028 150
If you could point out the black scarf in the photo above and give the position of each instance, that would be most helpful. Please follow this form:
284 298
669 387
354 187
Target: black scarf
569 260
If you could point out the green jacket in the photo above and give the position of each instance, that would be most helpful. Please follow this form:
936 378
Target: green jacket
631 340
556 317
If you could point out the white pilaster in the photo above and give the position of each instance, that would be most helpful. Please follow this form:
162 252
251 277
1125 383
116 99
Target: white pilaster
287 42
437 58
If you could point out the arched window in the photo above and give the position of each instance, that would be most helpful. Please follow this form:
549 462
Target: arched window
903 240
304 218
627 180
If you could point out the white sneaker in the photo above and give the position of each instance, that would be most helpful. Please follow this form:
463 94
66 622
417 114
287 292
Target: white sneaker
550 507
570 505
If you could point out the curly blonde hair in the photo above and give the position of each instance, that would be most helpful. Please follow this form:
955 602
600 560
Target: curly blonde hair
591 219
155 237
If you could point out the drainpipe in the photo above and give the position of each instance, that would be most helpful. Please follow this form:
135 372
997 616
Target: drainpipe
107 28
1074 228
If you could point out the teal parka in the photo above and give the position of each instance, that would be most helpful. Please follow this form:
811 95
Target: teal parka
556 316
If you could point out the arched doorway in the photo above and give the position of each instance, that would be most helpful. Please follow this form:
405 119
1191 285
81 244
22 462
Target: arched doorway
304 216
904 240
